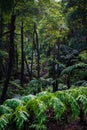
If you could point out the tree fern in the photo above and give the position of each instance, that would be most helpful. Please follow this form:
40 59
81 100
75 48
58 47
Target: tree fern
69 69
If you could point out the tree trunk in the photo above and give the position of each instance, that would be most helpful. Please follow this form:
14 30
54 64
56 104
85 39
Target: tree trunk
1 31
68 82
53 71
32 57
38 54
22 55
11 59
16 58
27 67
58 59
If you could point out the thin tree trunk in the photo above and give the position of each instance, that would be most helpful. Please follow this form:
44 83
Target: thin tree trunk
1 26
27 67
68 82
22 55
1 31
32 57
11 59
54 72
38 54
16 58
58 59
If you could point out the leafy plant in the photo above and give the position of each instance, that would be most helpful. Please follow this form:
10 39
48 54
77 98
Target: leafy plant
20 116
82 100
4 121
5 115
30 110
70 103
69 69
13 103
38 108
58 107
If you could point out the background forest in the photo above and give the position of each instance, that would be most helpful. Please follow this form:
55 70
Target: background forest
43 54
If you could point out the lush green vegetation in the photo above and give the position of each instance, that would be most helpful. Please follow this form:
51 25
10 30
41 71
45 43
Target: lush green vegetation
43 54
31 111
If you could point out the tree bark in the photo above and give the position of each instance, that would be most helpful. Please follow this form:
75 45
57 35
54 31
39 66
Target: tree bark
38 54
11 59
53 71
58 59
32 57
1 31
16 58
68 82
28 69
22 55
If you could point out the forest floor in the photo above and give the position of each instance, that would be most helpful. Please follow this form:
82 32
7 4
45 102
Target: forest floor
52 124
75 125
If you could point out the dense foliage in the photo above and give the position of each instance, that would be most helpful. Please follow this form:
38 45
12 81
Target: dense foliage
31 111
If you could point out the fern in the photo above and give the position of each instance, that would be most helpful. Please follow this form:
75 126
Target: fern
27 98
4 121
74 106
16 85
74 92
69 69
13 103
38 108
5 110
21 115
82 100
50 100
38 127
5 116
83 91
58 106
45 96
69 102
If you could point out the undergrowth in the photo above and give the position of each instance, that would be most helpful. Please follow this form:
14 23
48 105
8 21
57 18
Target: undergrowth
30 111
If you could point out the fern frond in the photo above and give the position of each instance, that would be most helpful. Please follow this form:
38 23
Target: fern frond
70 103
82 100
13 103
4 121
58 106
21 115
5 110
45 96
38 127
38 108
74 107
69 69
27 98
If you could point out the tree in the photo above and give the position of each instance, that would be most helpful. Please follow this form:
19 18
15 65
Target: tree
77 22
